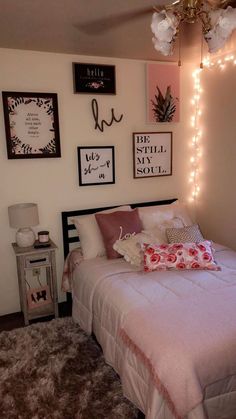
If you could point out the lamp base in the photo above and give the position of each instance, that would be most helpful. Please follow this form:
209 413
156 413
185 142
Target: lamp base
25 237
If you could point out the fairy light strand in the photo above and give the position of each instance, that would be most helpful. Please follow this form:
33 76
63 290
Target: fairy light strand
220 63
195 143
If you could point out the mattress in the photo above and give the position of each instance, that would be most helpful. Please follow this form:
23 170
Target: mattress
105 291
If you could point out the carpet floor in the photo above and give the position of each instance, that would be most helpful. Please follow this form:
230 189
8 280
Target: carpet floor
53 370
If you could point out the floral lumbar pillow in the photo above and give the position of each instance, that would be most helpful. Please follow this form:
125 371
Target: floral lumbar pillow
179 256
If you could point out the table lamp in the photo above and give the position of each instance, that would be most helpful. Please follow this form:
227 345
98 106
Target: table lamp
24 216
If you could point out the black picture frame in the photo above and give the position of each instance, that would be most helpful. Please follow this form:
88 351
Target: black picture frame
31 125
96 165
152 154
94 78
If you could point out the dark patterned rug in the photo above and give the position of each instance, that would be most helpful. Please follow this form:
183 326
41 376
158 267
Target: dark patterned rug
54 370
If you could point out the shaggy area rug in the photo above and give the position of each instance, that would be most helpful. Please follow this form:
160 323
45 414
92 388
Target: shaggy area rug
53 370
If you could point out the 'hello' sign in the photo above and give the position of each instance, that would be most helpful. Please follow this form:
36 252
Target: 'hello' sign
152 154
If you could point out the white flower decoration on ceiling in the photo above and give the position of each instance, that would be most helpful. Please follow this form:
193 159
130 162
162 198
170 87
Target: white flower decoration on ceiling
164 27
223 23
217 24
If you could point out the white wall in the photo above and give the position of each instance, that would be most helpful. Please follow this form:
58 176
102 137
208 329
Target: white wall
217 201
53 183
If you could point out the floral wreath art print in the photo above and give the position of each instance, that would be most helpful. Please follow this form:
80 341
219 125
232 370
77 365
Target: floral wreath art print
31 124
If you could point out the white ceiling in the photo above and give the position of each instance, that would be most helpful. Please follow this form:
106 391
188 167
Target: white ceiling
109 28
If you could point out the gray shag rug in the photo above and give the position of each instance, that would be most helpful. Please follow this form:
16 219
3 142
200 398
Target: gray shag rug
53 370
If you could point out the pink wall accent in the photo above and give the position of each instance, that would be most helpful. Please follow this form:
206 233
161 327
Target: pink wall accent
162 75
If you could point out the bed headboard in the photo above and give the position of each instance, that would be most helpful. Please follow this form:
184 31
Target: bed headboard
68 226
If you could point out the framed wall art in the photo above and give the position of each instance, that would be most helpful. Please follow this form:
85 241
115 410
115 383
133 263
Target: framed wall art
96 165
94 78
31 124
152 154
163 93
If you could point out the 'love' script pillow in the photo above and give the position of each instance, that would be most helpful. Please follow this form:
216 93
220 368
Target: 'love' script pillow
115 226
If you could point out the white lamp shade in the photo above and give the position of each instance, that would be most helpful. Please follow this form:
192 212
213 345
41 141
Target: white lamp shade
23 215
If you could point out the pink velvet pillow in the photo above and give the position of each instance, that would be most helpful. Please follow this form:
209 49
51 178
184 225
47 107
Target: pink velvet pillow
179 256
116 225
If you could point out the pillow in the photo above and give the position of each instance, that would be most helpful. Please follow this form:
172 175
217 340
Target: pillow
184 235
179 256
181 211
91 240
130 247
156 214
152 216
159 231
117 225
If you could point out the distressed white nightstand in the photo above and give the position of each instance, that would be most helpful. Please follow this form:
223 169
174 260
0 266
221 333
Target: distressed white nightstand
41 300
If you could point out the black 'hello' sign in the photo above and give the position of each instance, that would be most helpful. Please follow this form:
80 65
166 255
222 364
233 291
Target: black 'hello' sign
94 78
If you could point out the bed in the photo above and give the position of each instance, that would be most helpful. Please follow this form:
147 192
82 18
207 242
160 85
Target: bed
110 296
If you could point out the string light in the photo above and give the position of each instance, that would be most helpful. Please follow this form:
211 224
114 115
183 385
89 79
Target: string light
196 152
220 63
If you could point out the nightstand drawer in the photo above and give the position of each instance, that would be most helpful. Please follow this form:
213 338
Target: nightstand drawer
40 259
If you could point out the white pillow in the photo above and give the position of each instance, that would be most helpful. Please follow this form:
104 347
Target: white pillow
159 231
156 214
91 240
130 247
152 216
181 211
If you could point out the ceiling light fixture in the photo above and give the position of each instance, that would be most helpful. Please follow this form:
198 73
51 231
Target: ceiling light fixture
218 23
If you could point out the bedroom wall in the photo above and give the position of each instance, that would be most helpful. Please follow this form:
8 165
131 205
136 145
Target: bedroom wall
217 201
53 183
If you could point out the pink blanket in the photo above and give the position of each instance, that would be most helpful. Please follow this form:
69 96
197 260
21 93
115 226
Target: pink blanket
74 258
187 344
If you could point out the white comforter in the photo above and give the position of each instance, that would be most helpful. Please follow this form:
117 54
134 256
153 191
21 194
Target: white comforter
104 291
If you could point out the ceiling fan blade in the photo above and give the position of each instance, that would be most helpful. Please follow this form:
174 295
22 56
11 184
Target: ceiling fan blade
101 25
222 4
226 3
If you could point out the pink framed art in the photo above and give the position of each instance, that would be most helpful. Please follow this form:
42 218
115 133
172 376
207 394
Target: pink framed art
163 93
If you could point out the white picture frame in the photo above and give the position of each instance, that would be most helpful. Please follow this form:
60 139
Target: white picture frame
152 154
96 165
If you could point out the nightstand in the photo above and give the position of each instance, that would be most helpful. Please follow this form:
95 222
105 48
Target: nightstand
37 280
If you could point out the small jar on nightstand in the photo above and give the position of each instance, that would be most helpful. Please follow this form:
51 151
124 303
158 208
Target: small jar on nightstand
37 278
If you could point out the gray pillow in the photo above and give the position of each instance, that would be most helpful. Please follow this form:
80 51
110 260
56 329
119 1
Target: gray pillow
189 234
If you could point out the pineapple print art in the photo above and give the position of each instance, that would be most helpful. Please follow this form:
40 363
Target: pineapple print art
164 107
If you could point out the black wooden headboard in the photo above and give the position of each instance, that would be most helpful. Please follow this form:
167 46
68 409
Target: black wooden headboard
67 226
